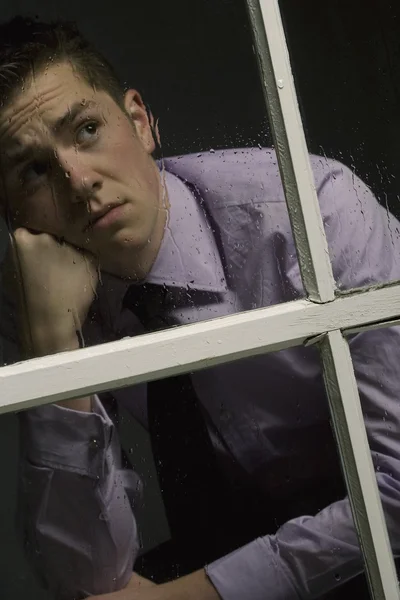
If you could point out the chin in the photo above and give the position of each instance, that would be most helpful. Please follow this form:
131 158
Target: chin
120 256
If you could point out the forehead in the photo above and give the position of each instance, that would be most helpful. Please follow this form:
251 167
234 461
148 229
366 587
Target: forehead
42 99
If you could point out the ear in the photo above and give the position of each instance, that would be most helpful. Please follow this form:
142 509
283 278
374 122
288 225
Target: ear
136 109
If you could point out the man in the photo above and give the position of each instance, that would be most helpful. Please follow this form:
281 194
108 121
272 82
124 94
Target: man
245 454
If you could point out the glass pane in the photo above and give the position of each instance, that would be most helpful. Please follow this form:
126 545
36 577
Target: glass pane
345 61
241 450
375 357
176 186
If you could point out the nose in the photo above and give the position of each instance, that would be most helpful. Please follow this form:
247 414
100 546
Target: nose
83 181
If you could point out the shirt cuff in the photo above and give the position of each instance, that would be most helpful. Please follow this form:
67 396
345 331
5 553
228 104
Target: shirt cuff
66 439
253 571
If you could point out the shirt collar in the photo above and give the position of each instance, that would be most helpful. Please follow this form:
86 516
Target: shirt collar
188 256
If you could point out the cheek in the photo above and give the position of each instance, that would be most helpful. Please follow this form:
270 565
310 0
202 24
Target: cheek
131 163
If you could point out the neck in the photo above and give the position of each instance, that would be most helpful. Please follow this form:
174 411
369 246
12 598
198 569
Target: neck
147 256
136 265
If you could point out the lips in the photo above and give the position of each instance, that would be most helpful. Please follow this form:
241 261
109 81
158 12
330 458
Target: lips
106 217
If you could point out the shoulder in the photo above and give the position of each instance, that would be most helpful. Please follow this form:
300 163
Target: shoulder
246 175
240 175
363 238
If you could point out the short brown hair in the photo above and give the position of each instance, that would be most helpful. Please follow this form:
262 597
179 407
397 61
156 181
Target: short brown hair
28 46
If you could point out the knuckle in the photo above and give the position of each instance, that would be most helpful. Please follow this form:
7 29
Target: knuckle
21 235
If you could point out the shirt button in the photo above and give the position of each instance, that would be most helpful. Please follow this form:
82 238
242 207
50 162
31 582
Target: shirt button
94 444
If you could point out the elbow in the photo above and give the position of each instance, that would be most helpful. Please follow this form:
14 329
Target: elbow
114 553
74 571
126 548
98 561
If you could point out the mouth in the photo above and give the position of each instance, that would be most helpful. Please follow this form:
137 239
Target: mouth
104 218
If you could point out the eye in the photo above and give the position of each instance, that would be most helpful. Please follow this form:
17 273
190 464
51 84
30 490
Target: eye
34 171
87 133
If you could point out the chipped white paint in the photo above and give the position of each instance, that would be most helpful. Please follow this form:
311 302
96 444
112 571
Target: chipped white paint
291 148
188 348
348 421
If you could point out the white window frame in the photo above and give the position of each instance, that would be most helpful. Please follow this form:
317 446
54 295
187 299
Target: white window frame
324 319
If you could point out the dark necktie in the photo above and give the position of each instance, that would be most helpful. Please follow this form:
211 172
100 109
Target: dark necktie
182 448
209 499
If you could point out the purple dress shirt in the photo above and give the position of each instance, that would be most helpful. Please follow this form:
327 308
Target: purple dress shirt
270 409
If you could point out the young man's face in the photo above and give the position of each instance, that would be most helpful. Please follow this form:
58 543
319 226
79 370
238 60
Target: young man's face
75 165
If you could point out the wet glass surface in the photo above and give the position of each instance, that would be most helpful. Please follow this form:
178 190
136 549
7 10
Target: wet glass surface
239 451
100 196
225 245
375 358
345 60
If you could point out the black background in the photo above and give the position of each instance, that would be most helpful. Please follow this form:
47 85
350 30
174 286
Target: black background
195 65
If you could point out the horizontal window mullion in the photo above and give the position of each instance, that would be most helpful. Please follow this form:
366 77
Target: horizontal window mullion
188 348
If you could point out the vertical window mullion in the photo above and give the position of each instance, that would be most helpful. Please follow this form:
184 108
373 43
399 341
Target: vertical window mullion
291 149
355 455
316 270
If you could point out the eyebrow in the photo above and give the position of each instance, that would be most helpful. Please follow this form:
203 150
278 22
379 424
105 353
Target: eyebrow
70 115
19 154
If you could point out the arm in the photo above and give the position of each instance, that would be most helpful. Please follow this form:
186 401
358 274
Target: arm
310 556
196 586
75 501
78 522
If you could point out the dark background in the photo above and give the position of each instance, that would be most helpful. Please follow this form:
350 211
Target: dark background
195 65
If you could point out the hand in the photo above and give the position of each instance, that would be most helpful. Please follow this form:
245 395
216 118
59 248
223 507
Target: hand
196 586
56 284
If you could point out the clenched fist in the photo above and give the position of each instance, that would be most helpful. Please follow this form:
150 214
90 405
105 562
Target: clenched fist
55 284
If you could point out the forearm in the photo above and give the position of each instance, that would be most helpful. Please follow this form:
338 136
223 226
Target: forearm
195 586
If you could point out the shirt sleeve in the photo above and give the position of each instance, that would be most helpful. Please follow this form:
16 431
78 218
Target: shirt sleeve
311 555
75 501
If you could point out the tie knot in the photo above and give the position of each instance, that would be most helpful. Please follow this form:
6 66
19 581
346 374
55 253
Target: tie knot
148 303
